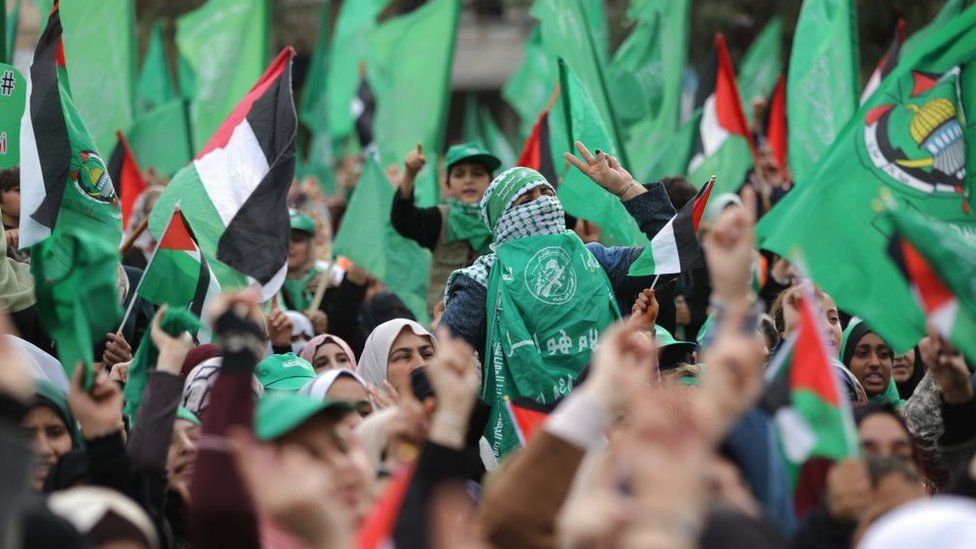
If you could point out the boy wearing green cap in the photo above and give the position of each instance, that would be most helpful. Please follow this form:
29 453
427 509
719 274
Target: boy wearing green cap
454 232
295 292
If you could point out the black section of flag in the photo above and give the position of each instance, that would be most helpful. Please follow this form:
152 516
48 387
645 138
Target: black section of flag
546 166
364 109
115 164
255 241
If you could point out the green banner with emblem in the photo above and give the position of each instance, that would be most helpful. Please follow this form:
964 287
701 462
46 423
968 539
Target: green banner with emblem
13 94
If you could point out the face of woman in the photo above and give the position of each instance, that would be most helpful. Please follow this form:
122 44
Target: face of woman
408 352
533 195
903 366
349 390
467 181
330 357
882 436
834 332
51 439
182 455
871 364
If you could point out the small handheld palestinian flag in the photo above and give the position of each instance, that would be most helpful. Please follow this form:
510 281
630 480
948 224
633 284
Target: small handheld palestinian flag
64 182
939 264
126 176
527 417
675 248
812 415
178 273
234 192
537 152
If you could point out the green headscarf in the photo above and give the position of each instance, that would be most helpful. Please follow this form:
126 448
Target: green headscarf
855 330
50 395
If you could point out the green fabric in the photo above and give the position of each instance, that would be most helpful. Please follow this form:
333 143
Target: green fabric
183 413
16 282
581 197
297 290
480 129
493 138
161 138
277 414
889 396
412 57
761 66
49 393
369 240
729 164
530 86
504 189
77 306
11 111
471 152
174 322
350 48
287 372
464 223
13 22
548 301
301 222
950 10
155 85
313 108
225 45
663 338
99 46
319 161
823 65
948 251
672 157
850 260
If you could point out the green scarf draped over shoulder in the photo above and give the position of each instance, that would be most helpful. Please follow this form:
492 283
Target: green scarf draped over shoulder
464 223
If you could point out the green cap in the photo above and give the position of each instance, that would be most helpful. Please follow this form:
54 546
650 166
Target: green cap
665 339
285 372
471 152
302 222
277 414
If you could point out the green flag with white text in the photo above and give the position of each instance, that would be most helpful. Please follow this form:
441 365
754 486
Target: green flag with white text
313 109
823 83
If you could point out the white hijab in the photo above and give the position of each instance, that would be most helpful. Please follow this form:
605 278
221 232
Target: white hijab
319 387
376 352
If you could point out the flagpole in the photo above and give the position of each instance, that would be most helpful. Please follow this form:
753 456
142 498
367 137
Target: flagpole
131 239
135 292
653 284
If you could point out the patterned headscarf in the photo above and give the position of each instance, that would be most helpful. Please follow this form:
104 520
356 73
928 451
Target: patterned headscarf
540 217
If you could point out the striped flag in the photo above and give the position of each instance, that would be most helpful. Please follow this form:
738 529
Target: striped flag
234 192
537 152
126 175
675 248
64 182
527 417
940 267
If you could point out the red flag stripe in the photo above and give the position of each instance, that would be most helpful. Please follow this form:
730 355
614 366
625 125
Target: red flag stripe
776 128
728 106
701 200
931 291
811 368
177 235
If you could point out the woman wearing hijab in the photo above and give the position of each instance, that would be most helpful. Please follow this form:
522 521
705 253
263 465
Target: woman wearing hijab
328 352
453 232
394 349
869 358
51 428
541 300
344 386
907 371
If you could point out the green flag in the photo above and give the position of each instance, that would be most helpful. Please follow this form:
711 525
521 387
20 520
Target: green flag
939 263
155 85
531 85
672 157
907 145
350 47
646 78
411 56
99 46
950 10
13 21
225 44
313 110
822 85
77 306
319 162
761 65
581 197
11 110
596 20
368 239
495 140
471 124
160 138
566 34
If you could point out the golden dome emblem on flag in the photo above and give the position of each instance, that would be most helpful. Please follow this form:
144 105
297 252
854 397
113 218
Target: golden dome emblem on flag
88 173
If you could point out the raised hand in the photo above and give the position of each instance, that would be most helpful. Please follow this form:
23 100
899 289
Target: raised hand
415 161
172 350
643 314
117 350
733 380
99 412
950 372
606 172
279 326
625 360
729 249
454 376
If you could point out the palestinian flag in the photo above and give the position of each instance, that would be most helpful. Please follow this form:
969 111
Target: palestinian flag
527 417
887 63
376 530
64 182
675 248
234 192
178 274
126 175
811 413
776 134
537 152
723 145
939 264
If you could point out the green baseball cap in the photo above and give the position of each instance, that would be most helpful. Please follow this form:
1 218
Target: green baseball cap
471 152
278 414
285 372
665 339
302 222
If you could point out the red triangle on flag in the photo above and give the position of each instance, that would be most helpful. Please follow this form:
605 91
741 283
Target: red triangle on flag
177 235
525 419
811 369
126 175
728 107
931 291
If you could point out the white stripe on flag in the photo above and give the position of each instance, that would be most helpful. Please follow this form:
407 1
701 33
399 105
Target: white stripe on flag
796 435
230 174
945 316
271 288
664 249
213 291
713 135
32 191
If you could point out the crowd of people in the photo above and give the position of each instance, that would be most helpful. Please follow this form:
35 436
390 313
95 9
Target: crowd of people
329 417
